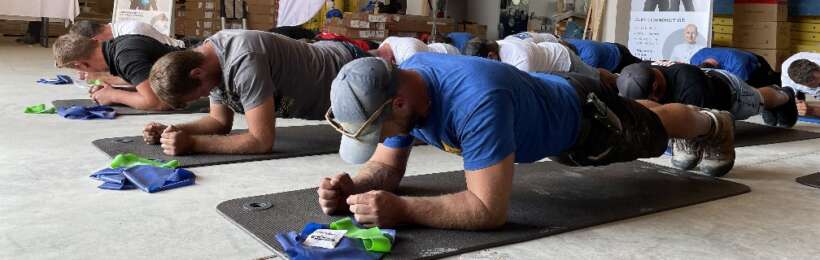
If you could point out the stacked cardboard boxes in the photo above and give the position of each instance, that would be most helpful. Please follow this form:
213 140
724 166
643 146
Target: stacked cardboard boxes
261 14
761 26
722 29
415 25
806 34
361 26
202 18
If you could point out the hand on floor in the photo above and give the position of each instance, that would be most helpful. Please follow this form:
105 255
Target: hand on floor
102 94
802 108
333 192
175 142
152 132
377 208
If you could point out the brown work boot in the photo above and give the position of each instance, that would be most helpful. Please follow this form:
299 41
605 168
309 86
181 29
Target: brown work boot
719 146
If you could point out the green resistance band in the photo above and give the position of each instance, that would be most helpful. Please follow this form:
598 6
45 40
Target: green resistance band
129 160
39 109
373 238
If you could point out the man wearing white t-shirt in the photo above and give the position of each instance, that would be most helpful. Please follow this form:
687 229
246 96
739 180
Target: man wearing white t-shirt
104 32
533 37
542 57
684 51
801 72
398 49
444 48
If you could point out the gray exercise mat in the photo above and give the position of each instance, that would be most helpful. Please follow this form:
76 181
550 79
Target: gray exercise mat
547 199
750 134
295 141
199 106
811 180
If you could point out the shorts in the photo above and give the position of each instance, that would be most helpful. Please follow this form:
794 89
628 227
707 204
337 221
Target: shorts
355 50
641 134
581 68
746 100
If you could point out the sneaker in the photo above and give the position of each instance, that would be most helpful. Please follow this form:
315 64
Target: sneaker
686 154
769 117
787 113
718 147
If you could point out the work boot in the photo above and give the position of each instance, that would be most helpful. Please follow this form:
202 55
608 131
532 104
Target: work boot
719 146
769 116
686 154
787 113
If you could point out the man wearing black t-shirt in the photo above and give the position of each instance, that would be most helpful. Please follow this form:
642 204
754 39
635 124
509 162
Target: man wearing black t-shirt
129 57
668 82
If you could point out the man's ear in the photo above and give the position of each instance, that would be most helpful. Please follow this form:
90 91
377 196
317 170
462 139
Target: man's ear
197 73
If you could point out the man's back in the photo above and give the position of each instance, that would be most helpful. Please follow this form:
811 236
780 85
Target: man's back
131 56
485 110
739 62
598 54
261 64
122 28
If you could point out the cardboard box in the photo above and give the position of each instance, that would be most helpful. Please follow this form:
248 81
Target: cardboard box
722 29
806 27
773 57
722 39
805 36
755 11
202 14
15 28
477 30
763 35
722 21
262 19
203 4
261 2
413 23
806 46
354 33
261 9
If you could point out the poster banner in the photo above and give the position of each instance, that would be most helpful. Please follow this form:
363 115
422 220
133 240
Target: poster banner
158 13
669 29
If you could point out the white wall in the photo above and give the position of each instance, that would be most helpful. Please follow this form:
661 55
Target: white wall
615 25
485 12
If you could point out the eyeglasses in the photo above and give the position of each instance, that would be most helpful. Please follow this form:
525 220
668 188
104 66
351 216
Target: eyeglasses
355 135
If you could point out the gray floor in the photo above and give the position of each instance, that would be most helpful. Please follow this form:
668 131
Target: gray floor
49 208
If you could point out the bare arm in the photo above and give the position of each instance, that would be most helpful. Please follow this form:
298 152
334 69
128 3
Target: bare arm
483 205
259 138
383 171
144 98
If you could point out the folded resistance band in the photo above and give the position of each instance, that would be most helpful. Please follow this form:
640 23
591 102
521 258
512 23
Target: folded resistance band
547 199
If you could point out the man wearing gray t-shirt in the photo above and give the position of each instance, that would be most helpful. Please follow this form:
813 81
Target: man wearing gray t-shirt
262 75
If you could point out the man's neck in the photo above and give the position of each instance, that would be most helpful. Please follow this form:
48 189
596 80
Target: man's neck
211 65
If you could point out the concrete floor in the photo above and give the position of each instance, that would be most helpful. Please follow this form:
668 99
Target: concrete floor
49 208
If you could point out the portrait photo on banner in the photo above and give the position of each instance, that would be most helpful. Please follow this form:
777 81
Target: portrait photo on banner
669 29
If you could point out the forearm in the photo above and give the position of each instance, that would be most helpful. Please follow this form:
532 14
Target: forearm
244 143
463 210
377 176
206 125
136 100
812 110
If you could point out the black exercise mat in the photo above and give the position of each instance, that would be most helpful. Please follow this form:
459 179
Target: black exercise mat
292 141
750 134
547 199
811 180
199 106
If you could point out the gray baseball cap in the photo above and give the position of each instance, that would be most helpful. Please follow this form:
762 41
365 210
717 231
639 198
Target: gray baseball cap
359 102
635 81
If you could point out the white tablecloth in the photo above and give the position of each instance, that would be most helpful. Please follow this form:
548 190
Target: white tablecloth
32 10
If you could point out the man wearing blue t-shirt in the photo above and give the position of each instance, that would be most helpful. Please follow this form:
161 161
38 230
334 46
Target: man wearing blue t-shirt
750 67
605 55
493 115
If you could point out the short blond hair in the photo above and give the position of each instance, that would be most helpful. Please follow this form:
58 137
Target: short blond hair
170 76
71 47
